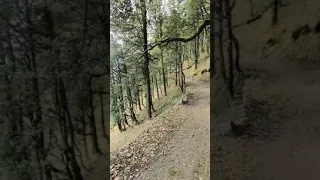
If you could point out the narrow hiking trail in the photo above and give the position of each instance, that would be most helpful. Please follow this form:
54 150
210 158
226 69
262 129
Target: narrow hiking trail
188 155
291 150
172 146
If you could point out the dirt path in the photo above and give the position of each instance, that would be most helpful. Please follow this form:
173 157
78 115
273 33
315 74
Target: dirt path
173 145
188 155
292 152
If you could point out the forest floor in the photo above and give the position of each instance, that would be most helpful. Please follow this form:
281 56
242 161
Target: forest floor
281 99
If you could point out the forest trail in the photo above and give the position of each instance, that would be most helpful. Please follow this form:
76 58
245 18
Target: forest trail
187 153
173 145
290 150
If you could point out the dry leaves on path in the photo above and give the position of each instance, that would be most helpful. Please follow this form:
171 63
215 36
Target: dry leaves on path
128 162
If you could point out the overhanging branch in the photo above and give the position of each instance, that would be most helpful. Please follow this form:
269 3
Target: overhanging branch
204 24
166 41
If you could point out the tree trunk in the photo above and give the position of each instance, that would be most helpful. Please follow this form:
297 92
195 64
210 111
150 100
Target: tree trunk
212 42
38 121
138 99
230 49
68 149
146 57
182 77
275 12
237 48
84 130
132 113
195 54
93 128
179 60
104 133
176 65
221 47
160 79
141 96
121 101
162 64
156 81
152 88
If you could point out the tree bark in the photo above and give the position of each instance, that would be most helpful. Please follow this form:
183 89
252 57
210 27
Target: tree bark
275 12
104 133
157 88
220 39
146 57
230 49
212 41
93 128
